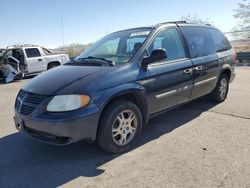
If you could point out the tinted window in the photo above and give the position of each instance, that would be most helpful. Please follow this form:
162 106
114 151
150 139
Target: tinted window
199 41
32 52
169 39
221 42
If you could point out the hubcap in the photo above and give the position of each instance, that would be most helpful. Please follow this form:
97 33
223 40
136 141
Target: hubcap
124 127
223 88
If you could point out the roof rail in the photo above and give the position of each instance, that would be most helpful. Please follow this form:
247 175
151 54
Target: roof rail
20 46
174 22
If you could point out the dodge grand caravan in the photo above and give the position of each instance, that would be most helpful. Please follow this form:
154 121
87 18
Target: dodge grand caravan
111 90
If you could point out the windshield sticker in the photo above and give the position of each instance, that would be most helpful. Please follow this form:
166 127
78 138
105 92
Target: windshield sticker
141 33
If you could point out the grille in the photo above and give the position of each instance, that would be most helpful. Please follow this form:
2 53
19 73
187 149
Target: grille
17 104
27 102
26 110
21 94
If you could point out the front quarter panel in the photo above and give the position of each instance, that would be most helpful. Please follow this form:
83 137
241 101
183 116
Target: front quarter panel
102 98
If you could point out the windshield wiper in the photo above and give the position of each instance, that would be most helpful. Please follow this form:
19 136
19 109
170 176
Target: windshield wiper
109 62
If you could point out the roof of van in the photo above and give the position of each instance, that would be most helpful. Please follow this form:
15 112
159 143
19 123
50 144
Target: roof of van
183 23
177 23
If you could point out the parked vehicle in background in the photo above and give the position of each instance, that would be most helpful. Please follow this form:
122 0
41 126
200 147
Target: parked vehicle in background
112 89
243 56
30 59
2 51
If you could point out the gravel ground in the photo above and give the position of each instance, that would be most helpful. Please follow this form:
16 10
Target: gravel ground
200 144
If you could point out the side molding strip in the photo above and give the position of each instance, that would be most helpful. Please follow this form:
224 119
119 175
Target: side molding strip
172 92
205 81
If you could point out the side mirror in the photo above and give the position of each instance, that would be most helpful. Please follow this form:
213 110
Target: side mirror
156 55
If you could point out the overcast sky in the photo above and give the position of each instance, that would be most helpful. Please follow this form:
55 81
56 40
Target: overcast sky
85 21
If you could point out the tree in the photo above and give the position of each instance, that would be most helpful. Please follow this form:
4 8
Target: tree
242 14
196 19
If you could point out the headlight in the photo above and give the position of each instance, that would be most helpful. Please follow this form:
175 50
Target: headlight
63 103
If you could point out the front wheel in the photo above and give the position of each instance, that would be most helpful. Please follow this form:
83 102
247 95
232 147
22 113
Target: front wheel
120 126
219 94
20 76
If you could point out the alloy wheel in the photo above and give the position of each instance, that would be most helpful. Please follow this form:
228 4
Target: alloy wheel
124 127
223 87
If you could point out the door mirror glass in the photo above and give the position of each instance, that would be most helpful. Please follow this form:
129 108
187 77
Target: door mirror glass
156 55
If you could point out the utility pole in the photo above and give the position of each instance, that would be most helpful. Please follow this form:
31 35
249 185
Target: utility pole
62 32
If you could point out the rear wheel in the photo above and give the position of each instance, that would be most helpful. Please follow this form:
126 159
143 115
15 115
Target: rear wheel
219 94
120 126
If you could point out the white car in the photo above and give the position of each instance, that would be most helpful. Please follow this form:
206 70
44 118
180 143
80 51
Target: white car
30 59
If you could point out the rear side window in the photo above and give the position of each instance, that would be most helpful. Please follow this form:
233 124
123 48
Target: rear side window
169 40
199 41
32 52
221 42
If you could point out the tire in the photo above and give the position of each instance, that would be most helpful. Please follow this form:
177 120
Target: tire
52 65
219 94
115 133
20 76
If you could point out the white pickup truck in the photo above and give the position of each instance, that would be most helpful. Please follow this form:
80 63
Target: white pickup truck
28 59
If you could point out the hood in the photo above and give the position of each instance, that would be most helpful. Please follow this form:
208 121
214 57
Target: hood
54 80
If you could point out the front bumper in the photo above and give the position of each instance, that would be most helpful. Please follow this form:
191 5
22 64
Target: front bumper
59 128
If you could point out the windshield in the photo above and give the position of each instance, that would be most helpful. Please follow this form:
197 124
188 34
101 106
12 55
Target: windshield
117 47
2 51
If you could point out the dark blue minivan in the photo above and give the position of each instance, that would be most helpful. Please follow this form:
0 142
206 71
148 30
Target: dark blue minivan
111 90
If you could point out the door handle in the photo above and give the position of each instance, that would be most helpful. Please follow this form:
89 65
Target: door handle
199 68
39 59
188 71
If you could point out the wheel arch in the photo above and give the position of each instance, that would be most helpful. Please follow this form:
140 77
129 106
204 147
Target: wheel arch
133 95
53 62
227 72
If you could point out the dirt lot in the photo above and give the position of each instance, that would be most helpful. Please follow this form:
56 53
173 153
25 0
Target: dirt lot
198 145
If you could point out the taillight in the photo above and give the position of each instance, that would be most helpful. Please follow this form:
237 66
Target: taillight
234 57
